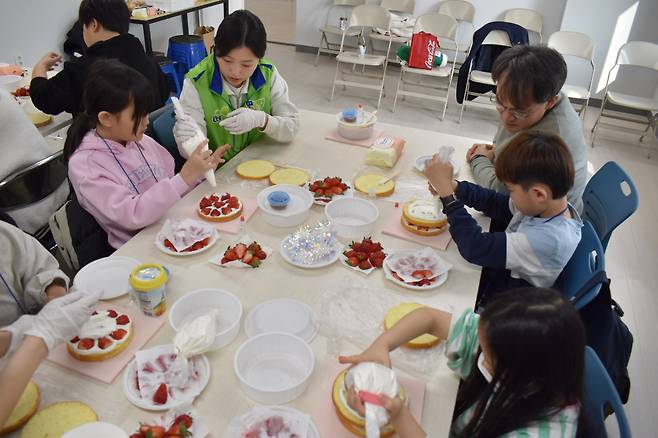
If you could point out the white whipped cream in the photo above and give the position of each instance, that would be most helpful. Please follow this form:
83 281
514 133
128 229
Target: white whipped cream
97 326
425 210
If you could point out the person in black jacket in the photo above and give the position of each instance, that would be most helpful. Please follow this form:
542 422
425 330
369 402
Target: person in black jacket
105 32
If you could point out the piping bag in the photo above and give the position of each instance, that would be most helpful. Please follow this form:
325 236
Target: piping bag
191 143
445 155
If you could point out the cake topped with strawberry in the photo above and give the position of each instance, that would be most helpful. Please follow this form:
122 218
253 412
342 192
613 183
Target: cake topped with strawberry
324 190
247 254
104 335
219 207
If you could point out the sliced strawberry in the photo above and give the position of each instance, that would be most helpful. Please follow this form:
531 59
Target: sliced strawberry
161 395
215 213
240 249
118 334
226 210
123 320
365 265
213 198
205 202
207 211
112 313
104 342
74 340
169 245
247 257
85 344
148 368
397 277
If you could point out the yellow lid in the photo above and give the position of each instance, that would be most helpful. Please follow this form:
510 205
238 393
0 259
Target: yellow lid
255 169
293 176
148 276
395 314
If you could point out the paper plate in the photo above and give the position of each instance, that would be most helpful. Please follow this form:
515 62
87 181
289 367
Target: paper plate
389 275
133 395
420 164
282 315
97 429
109 275
236 427
317 265
159 243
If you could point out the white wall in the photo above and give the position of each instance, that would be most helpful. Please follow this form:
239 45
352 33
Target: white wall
31 28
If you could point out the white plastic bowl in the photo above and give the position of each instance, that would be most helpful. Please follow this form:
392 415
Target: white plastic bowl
356 130
295 213
352 217
198 302
274 368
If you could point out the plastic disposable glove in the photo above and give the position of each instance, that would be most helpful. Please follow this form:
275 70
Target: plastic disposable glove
185 128
243 120
17 330
62 318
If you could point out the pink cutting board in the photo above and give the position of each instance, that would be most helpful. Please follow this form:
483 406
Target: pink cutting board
394 228
328 423
106 371
249 207
334 136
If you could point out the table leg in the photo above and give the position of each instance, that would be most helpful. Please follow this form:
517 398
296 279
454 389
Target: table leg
147 39
226 9
186 26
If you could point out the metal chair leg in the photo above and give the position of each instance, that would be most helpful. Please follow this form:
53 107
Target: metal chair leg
333 89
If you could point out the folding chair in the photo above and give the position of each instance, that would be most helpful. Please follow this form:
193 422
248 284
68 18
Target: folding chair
493 38
464 13
328 29
528 18
364 16
600 395
638 55
581 46
404 6
610 197
445 28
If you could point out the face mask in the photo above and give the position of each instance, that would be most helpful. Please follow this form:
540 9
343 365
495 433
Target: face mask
485 373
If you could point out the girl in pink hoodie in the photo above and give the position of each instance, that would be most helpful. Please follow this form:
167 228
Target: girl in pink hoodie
122 177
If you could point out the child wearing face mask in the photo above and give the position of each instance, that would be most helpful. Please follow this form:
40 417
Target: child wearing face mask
521 362
235 95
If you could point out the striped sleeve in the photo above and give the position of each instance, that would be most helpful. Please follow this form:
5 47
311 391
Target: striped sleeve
564 424
463 344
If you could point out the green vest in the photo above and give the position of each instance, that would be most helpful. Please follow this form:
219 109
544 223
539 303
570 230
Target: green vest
216 103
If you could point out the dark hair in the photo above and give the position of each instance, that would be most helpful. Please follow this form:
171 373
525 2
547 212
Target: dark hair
111 86
529 74
113 15
538 342
533 157
241 28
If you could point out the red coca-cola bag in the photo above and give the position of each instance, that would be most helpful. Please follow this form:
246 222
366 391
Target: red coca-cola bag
423 47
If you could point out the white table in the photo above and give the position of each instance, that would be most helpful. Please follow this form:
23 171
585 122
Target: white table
223 399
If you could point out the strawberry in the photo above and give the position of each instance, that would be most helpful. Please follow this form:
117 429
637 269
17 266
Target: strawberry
377 263
320 192
85 344
357 246
160 396
185 420
378 255
152 431
213 198
137 435
353 261
350 253
397 277
332 182
123 320
169 245
336 190
111 313
343 186
365 265
218 204
226 209
207 211
224 261
254 262
240 250
231 255
254 247
205 202
74 340
261 254
104 342
214 213
362 256
225 197
247 257
118 334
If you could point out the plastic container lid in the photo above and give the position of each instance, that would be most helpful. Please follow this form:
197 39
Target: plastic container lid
148 276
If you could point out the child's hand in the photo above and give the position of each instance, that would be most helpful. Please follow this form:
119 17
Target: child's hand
201 161
375 353
393 405
439 175
47 62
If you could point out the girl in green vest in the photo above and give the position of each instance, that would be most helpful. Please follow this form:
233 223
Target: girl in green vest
235 95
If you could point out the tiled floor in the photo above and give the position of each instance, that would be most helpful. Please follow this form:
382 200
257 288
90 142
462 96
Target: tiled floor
631 258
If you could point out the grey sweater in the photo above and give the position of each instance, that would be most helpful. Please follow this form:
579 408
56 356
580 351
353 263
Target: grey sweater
562 120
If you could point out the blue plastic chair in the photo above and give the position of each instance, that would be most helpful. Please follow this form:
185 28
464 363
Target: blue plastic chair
600 393
162 129
186 51
169 69
586 263
605 203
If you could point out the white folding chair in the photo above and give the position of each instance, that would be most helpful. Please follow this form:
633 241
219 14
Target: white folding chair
405 7
636 54
328 29
445 28
528 18
493 38
364 16
464 13
581 46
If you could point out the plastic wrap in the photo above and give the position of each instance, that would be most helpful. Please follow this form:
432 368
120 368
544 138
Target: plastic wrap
270 421
185 233
406 265
352 317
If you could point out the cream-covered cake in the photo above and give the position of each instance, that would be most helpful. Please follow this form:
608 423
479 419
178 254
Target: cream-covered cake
104 335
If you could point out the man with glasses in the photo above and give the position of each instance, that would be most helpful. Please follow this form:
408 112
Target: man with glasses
528 97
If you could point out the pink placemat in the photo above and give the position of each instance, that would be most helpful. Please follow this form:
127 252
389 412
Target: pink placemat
106 371
249 207
334 136
394 228
329 425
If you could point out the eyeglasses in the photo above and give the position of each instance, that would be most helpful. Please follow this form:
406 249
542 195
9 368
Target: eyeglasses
519 115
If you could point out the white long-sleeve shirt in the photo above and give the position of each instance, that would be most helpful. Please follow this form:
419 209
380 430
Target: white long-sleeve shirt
283 123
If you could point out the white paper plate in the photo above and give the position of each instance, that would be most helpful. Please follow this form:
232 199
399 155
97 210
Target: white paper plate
133 395
389 275
236 428
96 429
320 264
349 193
109 275
282 315
159 243
420 163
